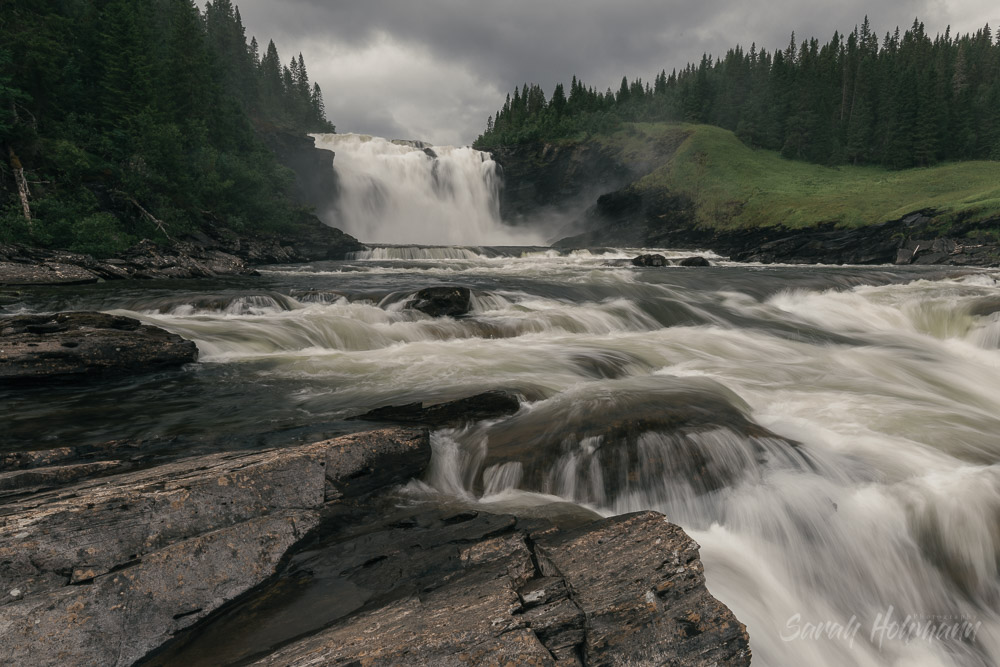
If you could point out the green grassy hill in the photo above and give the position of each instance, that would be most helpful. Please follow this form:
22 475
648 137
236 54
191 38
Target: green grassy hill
734 186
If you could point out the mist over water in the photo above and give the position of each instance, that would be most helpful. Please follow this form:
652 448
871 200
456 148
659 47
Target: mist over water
410 192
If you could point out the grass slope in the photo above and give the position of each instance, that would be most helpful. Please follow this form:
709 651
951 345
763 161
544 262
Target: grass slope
737 186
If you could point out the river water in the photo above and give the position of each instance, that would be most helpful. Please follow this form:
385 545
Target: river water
830 436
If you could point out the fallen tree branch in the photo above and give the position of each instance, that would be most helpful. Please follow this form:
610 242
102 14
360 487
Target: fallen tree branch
22 185
152 218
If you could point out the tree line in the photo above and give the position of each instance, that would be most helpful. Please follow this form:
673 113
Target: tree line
122 119
905 101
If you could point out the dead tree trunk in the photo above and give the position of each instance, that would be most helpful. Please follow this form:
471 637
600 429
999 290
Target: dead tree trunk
22 185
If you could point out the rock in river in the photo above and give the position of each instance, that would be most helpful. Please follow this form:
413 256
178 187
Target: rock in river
649 260
487 405
445 300
37 348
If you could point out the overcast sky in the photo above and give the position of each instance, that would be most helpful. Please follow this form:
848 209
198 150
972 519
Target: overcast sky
435 69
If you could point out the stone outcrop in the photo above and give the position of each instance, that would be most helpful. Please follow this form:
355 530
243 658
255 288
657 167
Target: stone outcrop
649 260
628 590
442 301
694 261
289 556
316 183
197 255
38 348
487 405
105 571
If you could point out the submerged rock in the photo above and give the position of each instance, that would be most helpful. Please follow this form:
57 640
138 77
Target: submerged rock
649 260
694 261
487 405
37 348
442 301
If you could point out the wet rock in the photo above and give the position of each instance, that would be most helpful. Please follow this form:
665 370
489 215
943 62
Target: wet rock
44 273
37 348
487 405
651 433
985 306
24 480
694 261
641 587
649 260
442 301
108 570
429 586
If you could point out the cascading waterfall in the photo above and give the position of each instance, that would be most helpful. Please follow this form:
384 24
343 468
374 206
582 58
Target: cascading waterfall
412 192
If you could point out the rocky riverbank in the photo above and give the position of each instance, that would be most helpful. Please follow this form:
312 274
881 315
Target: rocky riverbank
198 255
918 238
160 565
593 186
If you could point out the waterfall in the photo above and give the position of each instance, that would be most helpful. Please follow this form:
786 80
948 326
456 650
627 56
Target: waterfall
412 192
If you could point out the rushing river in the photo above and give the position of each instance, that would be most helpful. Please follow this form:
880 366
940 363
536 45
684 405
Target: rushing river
830 436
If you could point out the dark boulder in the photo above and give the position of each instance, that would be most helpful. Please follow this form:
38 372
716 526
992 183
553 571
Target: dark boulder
694 261
442 301
649 260
488 405
75 345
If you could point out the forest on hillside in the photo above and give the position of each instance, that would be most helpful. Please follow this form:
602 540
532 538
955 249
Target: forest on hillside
909 100
123 119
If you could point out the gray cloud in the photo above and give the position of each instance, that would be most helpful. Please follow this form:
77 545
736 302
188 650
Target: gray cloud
435 69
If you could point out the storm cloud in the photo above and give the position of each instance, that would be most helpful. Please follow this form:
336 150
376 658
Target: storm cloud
435 69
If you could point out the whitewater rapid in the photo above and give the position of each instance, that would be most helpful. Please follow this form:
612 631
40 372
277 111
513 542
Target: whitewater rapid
828 435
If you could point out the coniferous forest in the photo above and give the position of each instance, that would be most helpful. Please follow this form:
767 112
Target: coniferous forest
126 118
906 100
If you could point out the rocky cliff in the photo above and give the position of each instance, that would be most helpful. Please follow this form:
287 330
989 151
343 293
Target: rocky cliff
308 553
315 184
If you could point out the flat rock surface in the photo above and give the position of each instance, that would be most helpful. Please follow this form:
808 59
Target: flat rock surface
476 588
72 345
104 571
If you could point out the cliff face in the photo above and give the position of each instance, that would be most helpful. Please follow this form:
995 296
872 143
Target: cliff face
316 182
540 178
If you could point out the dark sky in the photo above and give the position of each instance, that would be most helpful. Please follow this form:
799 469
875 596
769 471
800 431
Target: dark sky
435 69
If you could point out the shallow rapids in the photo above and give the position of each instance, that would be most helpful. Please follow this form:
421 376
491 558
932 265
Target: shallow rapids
830 436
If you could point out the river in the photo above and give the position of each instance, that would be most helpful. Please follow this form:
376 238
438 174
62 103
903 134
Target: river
828 435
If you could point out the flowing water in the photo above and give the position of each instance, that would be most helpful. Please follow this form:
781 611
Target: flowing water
412 192
828 435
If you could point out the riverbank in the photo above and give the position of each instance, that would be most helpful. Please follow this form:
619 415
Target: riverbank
223 253
679 185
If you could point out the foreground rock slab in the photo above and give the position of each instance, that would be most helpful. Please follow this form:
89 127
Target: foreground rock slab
628 590
103 572
37 348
